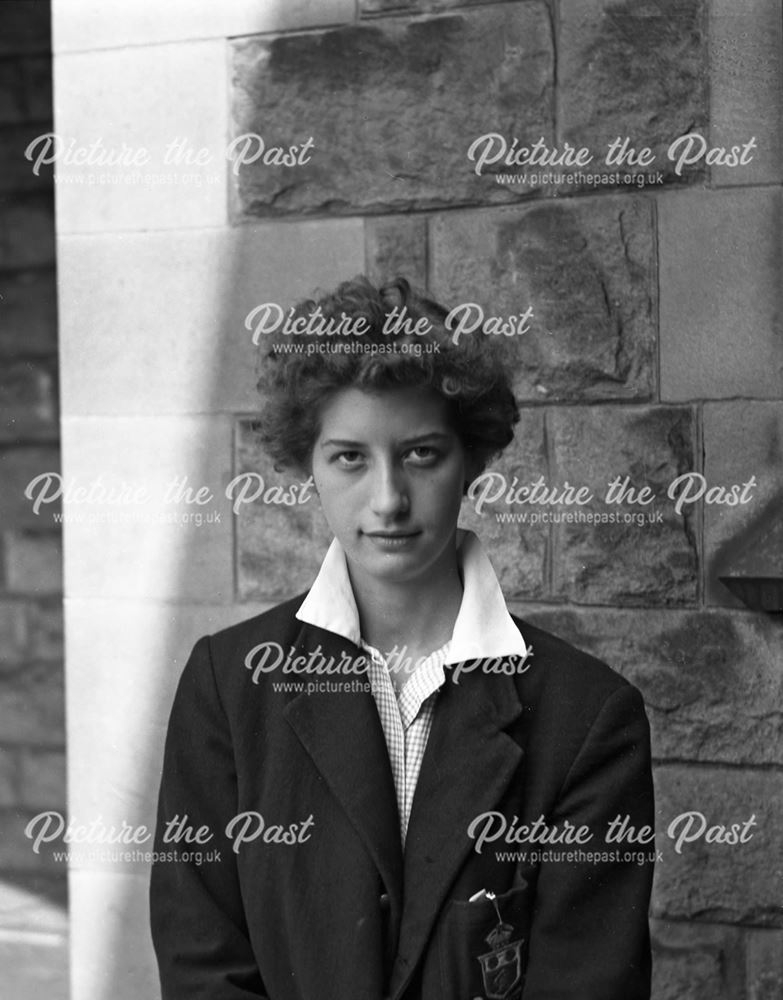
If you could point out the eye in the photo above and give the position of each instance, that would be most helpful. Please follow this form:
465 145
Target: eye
423 454
348 459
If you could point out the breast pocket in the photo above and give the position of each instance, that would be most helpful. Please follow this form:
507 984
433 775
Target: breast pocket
482 946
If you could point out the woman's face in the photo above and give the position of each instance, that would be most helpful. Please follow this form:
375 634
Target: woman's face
390 471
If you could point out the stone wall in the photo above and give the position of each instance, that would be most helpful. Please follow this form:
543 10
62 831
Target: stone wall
656 351
32 725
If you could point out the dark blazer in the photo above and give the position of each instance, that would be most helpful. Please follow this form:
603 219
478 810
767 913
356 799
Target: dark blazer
341 913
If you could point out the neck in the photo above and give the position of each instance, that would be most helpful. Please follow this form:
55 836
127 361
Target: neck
416 615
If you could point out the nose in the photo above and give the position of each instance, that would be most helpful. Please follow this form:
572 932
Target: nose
389 496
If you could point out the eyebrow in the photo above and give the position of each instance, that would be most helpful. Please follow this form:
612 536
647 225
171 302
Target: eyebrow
412 441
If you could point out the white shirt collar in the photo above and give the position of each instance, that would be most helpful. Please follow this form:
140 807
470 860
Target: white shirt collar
483 627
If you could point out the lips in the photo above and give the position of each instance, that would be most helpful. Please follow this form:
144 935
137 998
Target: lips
391 534
392 539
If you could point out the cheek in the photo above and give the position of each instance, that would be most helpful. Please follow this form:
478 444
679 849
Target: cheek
337 500
332 500
446 491
326 484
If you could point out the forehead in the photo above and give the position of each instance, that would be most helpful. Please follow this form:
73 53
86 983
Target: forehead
359 414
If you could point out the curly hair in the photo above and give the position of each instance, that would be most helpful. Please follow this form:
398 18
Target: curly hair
294 384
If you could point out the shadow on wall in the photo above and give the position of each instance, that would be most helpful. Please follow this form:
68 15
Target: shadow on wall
33 894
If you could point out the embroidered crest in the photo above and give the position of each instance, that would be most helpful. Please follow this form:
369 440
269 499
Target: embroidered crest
501 968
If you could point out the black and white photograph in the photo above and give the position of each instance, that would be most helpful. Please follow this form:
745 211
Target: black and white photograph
392 496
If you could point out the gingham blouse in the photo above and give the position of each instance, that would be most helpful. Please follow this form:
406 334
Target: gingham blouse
406 719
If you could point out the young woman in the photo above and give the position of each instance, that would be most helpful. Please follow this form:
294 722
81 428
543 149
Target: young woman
426 816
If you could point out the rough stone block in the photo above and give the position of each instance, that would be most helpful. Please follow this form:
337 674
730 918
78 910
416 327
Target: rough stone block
633 70
12 103
13 632
18 467
519 552
721 309
43 779
709 880
16 849
26 92
587 270
279 546
688 974
28 399
37 82
743 441
695 961
17 175
45 629
32 705
34 563
9 768
711 681
746 79
765 965
391 109
624 561
27 232
28 313
26 27
397 247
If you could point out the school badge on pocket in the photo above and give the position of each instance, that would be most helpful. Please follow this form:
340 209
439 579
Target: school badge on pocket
501 968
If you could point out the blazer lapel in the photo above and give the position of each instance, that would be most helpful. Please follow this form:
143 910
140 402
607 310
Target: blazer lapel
342 734
468 764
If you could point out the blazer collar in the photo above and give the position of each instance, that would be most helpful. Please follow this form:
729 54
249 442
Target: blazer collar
342 734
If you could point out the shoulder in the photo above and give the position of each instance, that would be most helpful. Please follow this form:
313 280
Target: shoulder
560 667
575 708
568 692
218 663
278 623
